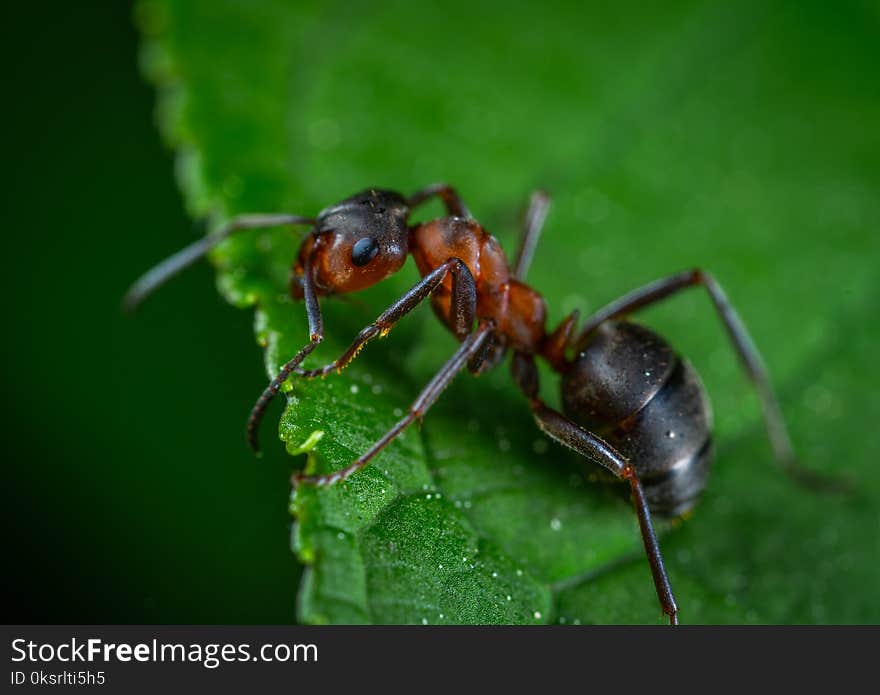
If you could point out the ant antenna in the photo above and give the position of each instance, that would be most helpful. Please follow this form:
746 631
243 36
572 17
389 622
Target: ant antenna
159 274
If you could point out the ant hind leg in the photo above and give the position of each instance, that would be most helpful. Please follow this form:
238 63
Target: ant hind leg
565 431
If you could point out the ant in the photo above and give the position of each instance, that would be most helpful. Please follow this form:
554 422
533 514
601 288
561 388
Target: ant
629 402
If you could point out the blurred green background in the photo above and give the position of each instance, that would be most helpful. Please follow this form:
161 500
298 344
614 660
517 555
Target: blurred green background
746 135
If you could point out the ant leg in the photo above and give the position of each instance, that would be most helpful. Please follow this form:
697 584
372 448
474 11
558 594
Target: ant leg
555 345
745 349
454 204
568 433
464 309
429 394
582 441
539 206
316 335
494 350
158 275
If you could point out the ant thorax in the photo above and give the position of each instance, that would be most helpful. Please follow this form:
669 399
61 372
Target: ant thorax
518 311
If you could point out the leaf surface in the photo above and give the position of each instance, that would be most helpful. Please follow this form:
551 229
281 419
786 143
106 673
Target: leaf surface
735 138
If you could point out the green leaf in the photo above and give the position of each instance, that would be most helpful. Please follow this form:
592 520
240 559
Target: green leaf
740 138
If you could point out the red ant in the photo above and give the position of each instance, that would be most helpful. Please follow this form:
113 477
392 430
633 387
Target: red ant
630 402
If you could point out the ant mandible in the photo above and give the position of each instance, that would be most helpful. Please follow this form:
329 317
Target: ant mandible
629 402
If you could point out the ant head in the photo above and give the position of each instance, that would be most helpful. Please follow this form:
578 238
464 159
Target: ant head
358 242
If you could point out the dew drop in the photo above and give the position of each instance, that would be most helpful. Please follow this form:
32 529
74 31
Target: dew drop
424 621
555 524
537 615
354 388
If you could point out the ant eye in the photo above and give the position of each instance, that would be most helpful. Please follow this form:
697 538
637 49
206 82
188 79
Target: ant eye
364 251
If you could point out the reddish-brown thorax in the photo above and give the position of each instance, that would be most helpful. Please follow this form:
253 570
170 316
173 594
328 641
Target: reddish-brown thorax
518 311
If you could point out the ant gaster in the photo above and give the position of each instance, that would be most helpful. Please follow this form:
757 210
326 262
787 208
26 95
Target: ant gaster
630 403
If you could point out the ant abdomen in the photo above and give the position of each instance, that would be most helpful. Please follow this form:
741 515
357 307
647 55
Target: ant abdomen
629 386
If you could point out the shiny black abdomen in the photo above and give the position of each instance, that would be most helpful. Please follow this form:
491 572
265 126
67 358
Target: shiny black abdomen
629 387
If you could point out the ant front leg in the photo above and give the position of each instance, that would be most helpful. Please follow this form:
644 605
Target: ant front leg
745 349
568 433
463 310
451 200
316 335
471 346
